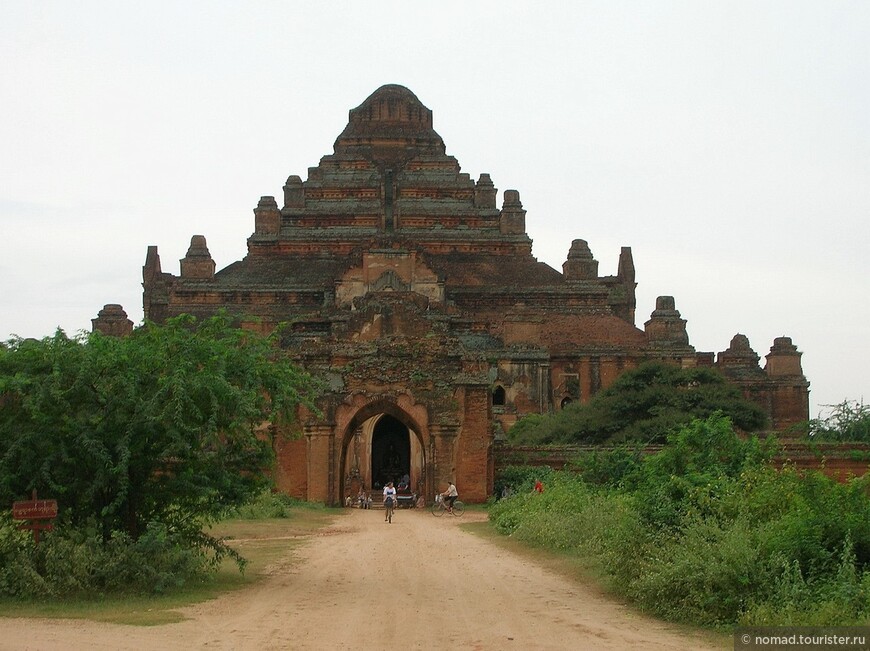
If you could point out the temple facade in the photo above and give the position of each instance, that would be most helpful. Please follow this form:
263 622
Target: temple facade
401 281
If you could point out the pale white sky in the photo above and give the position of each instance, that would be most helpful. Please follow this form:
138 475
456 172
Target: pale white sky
728 143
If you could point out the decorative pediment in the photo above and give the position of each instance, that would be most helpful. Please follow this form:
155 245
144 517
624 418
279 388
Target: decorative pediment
388 270
389 281
392 313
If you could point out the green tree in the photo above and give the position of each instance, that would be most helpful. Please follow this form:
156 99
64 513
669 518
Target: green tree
847 421
166 425
643 404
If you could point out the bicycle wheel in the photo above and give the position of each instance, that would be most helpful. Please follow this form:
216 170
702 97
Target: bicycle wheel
458 508
437 509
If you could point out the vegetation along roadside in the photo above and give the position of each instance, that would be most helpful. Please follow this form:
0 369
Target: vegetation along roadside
706 531
145 441
261 531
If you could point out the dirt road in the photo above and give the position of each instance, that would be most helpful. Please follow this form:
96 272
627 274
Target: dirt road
365 584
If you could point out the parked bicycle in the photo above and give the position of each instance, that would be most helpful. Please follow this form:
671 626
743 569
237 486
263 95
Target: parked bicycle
439 508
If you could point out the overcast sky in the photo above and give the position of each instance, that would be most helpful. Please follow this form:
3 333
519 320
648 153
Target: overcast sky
728 143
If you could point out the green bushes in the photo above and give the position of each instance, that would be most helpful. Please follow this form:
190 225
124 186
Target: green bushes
267 505
162 425
847 421
79 563
144 441
706 532
700 576
520 479
613 468
642 405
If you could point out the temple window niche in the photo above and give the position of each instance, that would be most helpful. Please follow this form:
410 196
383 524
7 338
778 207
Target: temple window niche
498 396
568 390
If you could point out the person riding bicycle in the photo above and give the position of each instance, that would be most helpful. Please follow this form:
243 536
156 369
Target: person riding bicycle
389 494
450 496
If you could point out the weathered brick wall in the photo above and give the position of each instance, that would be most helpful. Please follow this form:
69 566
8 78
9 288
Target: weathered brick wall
320 475
474 446
291 470
789 404
412 291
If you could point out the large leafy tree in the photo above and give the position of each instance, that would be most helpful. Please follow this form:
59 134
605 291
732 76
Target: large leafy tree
643 404
166 425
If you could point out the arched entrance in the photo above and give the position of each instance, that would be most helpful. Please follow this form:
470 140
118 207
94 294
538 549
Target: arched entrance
382 443
391 452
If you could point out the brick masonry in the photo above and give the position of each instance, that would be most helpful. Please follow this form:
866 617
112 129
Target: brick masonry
404 285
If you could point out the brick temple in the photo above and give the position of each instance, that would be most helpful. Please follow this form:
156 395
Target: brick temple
416 296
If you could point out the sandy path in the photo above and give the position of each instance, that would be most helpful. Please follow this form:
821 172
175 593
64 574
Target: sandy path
345 595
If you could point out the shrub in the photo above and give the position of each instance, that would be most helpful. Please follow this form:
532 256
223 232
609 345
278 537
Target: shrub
568 515
792 598
707 532
267 504
614 468
701 576
699 465
643 404
79 562
512 480
847 421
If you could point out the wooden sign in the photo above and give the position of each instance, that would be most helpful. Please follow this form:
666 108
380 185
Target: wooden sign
33 511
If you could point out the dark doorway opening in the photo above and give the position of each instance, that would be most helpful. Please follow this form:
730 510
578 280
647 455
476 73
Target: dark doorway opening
391 452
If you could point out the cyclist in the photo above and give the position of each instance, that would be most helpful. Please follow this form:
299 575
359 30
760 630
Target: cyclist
389 495
450 496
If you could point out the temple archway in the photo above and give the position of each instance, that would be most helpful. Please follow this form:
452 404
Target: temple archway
382 443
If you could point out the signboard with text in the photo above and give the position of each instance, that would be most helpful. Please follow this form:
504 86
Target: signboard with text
34 509
34 512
